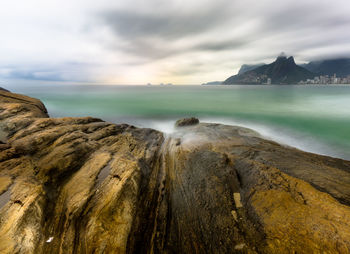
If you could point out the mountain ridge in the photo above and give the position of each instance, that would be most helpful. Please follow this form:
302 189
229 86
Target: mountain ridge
282 71
248 67
339 66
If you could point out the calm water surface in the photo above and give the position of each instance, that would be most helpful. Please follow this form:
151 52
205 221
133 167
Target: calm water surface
315 119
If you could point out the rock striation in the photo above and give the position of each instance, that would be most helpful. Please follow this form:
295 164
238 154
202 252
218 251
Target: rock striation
81 185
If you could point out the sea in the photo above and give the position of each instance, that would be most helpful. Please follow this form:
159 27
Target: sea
311 118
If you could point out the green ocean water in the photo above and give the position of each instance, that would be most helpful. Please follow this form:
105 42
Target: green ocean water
312 118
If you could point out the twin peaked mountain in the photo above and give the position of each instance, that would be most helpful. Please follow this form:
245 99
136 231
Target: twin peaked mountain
282 71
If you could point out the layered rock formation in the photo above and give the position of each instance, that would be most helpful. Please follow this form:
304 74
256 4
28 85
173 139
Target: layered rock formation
81 185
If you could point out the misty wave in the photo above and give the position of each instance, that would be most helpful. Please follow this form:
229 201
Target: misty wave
283 136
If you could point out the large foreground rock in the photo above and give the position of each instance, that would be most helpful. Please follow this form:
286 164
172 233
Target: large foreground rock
81 185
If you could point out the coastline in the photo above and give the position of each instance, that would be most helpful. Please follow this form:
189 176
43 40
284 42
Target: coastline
207 188
288 114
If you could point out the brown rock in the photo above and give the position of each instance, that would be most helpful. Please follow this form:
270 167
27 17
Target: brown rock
81 185
186 122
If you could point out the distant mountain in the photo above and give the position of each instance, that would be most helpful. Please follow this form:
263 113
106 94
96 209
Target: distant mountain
248 67
282 71
212 83
340 67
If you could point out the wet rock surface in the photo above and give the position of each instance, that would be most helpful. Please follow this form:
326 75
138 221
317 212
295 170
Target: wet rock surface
186 122
81 185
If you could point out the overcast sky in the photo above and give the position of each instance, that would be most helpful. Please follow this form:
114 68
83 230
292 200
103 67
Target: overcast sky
182 42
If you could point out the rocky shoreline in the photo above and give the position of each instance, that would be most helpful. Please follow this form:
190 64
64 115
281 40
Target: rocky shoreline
82 185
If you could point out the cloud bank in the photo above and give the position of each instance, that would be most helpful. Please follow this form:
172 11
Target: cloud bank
184 42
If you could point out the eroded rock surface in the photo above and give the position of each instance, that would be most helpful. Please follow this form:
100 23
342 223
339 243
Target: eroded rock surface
81 185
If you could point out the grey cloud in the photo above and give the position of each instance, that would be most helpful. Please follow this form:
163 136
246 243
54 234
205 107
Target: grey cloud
70 71
302 17
156 51
139 35
35 75
153 35
222 45
188 69
167 26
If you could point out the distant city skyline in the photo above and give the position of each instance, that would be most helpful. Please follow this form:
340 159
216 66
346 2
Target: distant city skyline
157 41
326 80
